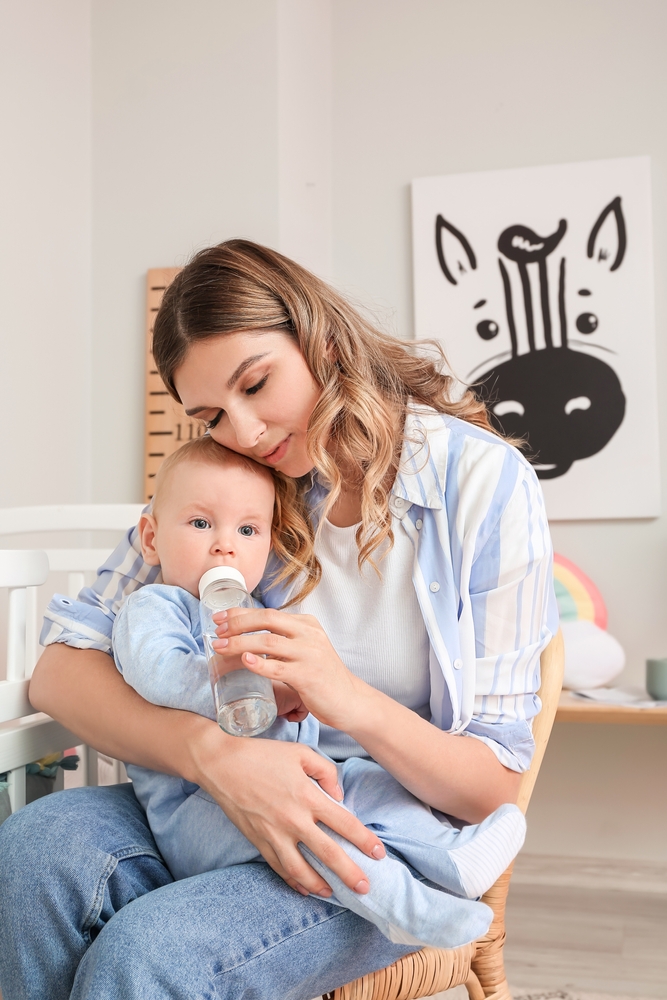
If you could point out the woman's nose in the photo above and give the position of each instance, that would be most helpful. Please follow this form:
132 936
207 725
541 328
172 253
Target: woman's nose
247 427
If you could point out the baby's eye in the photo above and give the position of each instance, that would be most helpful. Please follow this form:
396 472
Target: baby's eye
200 522
247 530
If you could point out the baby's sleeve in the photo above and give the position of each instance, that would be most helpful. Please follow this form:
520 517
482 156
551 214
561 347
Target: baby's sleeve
87 621
158 655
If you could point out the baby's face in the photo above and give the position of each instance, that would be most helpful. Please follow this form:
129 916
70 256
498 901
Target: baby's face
210 515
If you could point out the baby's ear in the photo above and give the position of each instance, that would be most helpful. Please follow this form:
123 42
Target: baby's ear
147 528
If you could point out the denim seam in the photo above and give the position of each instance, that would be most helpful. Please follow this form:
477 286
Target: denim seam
135 852
258 954
110 867
98 898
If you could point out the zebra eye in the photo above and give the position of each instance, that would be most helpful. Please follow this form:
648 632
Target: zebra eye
487 329
508 406
587 323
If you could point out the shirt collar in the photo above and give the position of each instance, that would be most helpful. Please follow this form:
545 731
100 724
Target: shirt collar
421 471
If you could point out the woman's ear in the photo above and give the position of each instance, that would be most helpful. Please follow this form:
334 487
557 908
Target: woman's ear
147 529
330 351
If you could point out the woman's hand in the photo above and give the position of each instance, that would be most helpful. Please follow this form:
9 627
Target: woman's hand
293 649
265 788
289 702
456 775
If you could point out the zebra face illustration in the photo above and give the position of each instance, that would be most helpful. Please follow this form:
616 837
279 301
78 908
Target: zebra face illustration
563 401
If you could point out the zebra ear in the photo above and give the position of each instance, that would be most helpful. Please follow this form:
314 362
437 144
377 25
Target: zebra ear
455 255
608 234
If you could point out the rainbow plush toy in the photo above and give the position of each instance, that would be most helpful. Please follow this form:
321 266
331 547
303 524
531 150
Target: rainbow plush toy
592 656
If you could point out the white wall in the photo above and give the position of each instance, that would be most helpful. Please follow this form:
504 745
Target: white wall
184 155
304 132
45 216
434 87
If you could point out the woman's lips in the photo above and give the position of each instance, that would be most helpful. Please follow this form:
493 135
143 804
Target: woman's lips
278 453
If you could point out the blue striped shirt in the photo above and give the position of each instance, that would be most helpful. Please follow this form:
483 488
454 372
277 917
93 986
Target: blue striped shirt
474 512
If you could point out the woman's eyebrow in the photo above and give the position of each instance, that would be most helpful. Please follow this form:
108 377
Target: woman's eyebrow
233 379
242 367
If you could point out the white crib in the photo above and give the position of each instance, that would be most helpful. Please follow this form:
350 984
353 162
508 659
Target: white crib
27 735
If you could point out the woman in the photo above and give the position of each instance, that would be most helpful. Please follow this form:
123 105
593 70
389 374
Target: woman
422 571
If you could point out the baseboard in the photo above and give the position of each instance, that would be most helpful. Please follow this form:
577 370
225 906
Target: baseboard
590 873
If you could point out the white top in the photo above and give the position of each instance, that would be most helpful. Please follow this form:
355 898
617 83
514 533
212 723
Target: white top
375 625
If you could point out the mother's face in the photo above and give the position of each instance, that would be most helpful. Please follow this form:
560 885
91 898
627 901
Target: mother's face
256 394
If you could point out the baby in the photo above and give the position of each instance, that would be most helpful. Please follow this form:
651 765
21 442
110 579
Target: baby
212 507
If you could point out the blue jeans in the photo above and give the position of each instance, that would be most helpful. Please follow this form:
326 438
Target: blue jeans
71 863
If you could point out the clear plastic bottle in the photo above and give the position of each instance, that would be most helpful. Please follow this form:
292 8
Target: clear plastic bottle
244 702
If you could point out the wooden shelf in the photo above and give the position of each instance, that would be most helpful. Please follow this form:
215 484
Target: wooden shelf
572 709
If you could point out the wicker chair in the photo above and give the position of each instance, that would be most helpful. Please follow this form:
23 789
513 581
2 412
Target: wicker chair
479 966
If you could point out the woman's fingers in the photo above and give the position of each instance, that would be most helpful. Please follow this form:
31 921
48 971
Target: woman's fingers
295 870
239 620
274 793
324 810
341 864
291 865
259 643
323 771
341 820
348 826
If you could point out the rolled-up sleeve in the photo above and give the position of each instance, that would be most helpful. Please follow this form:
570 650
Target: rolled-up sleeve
87 621
515 616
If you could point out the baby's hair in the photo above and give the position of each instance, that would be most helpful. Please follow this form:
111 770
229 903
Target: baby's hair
291 531
207 451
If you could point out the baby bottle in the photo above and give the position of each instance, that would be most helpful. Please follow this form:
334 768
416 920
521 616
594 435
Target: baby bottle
244 702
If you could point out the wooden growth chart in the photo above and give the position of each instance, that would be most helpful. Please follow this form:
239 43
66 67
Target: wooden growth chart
167 426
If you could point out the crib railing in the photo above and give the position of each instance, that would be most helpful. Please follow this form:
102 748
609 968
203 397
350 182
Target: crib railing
27 735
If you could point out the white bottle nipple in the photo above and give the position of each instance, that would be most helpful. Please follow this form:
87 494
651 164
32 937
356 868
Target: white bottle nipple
218 574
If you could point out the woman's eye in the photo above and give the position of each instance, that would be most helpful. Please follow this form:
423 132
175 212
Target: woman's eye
200 522
255 388
210 424
247 530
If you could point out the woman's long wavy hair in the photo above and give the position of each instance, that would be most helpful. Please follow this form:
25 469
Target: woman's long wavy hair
367 378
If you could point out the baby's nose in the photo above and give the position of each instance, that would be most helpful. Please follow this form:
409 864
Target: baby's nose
223 544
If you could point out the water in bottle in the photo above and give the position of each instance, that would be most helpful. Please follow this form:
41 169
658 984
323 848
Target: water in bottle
244 702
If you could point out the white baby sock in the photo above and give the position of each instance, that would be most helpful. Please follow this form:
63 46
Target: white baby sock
481 857
466 861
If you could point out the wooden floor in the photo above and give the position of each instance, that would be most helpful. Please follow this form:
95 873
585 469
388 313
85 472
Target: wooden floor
592 941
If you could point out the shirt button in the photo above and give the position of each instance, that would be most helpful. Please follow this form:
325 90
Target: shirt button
418 523
398 502
458 664
434 587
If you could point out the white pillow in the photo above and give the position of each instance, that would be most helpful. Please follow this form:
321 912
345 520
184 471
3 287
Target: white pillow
592 656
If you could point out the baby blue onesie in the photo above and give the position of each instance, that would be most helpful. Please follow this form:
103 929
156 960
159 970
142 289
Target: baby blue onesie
158 648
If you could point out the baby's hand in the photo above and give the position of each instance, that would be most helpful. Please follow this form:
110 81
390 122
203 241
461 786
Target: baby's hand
289 702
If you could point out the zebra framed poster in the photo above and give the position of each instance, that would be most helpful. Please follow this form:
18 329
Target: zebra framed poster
538 282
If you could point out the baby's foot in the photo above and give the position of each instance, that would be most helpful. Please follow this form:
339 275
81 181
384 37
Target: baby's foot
404 909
